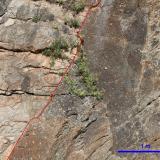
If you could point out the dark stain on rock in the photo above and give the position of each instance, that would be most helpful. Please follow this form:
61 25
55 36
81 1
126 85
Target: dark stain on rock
25 84
137 31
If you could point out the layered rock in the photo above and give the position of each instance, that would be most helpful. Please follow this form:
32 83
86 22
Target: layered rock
31 26
27 79
122 44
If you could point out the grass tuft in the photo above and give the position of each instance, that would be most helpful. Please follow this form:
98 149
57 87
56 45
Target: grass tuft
55 50
73 23
78 6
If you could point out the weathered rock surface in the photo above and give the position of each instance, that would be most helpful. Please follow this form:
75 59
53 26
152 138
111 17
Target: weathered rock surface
122 44
31 26
25 85
128 49
27 79
73 129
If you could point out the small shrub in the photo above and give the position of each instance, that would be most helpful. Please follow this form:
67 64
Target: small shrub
60 2
74 88
78 6
73 23
80 92
47 52
73 44
82 65
60 44
89 87
36 19
88 78
52 61
58 53
56 49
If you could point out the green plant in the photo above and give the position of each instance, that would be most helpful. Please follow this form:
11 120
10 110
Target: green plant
55 49
88 79
73 43
74 88
73 23
78 6
36 19
88 88
58 46
60 2
47 52
60 43
52 61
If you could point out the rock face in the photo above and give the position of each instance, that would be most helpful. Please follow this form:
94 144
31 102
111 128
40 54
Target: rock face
128 49
71 127
122 45
30 26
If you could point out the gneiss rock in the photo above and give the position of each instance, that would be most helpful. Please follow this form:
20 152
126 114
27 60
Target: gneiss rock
3 6
122 46
29 26
26 36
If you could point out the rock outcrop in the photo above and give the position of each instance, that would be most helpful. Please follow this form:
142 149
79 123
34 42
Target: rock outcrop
27 79
122 46
31 26
128 49
71 127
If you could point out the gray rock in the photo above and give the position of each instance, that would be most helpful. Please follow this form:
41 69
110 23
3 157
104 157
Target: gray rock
125 49
3 6
122 45
26 36
29 26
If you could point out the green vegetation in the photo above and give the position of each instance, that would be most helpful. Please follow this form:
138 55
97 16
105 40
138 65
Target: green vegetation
36 19
73 23
58 46
74 89
53 61
73 44
88 80
60 2
78 6
56 49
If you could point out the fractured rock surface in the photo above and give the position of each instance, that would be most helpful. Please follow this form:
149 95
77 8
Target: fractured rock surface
27 79
24 88
31 26
71 127
122 45
128 49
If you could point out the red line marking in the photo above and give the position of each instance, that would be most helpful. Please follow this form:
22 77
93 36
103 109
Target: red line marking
40 112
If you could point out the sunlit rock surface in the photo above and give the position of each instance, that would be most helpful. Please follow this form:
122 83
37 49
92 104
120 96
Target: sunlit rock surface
122 46
124 37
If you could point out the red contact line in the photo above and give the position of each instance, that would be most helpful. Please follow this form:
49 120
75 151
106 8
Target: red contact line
40 112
